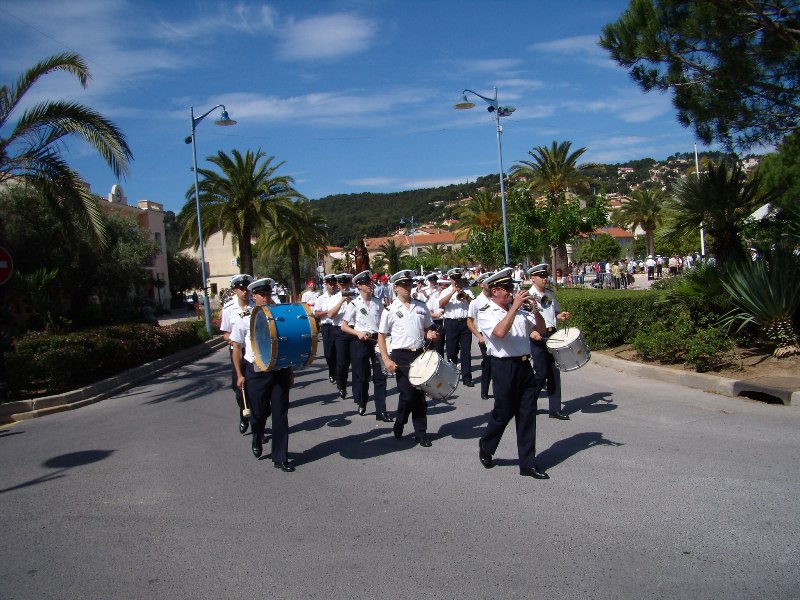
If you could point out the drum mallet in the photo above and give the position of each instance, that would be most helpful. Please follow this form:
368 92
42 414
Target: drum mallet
245 408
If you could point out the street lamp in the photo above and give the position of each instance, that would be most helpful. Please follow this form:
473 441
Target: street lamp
224 120
499 111
410 221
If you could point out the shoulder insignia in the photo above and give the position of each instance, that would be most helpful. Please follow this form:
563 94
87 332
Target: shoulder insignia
483 308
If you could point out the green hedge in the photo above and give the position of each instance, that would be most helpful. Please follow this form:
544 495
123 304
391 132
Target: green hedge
609 318
44 364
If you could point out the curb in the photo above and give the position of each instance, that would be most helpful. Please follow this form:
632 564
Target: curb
701 381
11 412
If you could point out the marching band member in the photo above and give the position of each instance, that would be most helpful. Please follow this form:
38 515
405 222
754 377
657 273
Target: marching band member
326 324
409 324
336 308
310 295
360 322
266 391
236 309
507 330
458 338
476 305
546 321
437 313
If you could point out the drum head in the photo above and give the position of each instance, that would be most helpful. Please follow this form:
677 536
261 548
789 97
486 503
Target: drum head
263 338
424 367
564 337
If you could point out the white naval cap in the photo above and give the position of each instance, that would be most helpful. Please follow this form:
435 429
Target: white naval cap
501 277
483 277
540 269
261 285
363 277
241 280
454 273
403 276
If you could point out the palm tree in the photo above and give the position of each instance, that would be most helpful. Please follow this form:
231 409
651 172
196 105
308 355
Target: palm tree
645 209
31 152
240 200
433 255
392 253
299 230
554 170
482 211
720 199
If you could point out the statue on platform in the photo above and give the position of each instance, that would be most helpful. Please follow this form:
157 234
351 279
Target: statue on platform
362 256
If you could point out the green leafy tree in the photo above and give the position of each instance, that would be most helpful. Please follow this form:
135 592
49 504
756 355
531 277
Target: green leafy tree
184 273
733 66
240 200
603 247
31 154
392 254
644 208
300 231
558 218
720 199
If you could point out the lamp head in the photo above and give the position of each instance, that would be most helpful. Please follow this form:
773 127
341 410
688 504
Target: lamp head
464 104
224 120
505 111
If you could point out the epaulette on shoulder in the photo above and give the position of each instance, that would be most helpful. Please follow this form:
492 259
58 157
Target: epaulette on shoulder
228 303
483 308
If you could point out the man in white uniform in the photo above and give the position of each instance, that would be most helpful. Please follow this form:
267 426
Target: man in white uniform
236 309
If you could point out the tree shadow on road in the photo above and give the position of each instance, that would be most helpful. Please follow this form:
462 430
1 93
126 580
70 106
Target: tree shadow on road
63 463
192 383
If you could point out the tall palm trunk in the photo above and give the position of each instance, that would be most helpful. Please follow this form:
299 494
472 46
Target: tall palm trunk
294 263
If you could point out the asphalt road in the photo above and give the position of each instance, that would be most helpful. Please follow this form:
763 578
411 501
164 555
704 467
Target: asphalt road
656 491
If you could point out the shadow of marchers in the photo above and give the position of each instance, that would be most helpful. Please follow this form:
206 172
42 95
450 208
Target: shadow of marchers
568 447
589 404
465 429
358 446
63 463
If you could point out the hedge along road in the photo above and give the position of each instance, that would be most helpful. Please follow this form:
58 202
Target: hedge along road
656 491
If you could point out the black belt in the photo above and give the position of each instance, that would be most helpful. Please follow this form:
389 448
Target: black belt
370 336
523 358
451 319
551 330
415 350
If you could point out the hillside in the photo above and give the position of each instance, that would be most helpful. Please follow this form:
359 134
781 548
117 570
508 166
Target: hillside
351 216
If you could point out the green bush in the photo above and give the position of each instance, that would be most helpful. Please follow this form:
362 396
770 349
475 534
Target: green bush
665 342
708 349
46 364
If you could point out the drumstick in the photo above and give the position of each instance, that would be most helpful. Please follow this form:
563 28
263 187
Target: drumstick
245 410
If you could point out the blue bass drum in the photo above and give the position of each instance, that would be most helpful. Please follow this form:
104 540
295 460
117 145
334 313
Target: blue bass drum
283 335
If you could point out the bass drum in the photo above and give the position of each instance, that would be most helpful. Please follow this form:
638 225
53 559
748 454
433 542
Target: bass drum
434 375
283 335
568 349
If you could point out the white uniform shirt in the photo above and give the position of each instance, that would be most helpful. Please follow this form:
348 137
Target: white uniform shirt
364 316
455 308
433 306
548 313
322 303
476 305
309 297
232 313
406 325
338 317
241 335
516 342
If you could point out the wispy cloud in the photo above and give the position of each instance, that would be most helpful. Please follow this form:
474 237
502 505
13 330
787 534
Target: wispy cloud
326 37
630 107
239 18
582 47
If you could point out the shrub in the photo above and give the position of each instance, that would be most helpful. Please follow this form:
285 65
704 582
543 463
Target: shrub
708 349
48 363
665 342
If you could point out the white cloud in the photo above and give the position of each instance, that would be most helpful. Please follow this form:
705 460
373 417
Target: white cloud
239 18
326 37
582 47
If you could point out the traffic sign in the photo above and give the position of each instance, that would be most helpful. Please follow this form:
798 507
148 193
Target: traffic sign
6 265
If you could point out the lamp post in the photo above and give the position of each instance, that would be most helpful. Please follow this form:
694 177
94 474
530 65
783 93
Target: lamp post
224 120
702 229
499 111
410 221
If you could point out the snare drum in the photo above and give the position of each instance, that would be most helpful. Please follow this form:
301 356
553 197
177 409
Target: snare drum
568 348
434 375
283 335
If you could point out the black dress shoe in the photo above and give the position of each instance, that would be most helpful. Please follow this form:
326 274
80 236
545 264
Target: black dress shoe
362 410
332 379
284 466
485 458
484 396
423 440
468 384
384 416
534 472
342 393
256 447
559 415
397 429
244 423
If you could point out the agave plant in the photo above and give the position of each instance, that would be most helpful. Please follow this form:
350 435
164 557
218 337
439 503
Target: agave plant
766 292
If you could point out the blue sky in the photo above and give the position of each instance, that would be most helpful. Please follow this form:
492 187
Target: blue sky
354 96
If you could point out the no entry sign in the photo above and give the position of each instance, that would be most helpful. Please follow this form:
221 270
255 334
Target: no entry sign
6 265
